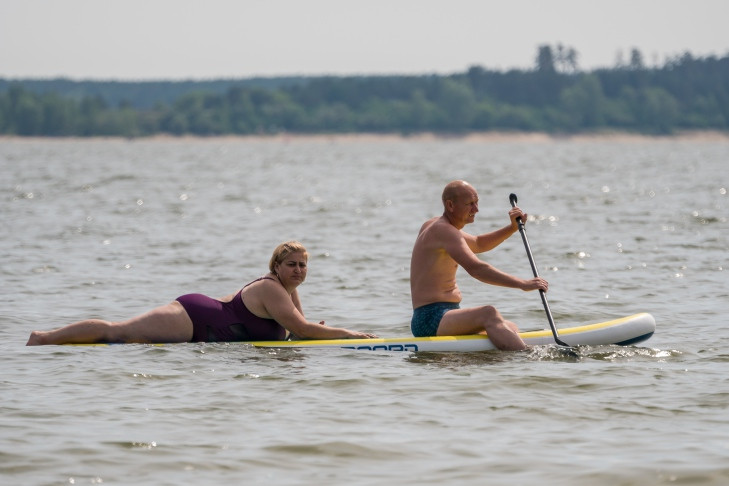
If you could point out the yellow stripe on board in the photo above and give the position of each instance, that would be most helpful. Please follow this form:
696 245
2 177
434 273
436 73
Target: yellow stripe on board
373 342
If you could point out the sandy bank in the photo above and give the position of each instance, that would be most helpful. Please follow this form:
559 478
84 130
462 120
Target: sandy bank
479 137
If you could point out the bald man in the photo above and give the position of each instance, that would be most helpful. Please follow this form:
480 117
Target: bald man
440 248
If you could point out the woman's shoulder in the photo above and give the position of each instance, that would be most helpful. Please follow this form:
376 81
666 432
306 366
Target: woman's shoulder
267 281
262 279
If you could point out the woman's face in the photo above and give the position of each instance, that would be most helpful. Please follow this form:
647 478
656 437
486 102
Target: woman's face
292 269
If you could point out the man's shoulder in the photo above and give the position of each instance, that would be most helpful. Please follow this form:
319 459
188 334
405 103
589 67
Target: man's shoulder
437 232
439 226
429 223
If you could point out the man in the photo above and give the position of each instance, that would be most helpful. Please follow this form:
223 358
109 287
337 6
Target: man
440 247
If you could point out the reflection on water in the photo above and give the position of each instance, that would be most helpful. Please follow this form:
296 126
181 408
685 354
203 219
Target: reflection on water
575 354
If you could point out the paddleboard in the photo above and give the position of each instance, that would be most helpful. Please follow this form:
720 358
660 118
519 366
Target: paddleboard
624 331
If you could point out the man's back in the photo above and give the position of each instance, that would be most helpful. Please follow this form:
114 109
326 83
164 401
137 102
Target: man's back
432 270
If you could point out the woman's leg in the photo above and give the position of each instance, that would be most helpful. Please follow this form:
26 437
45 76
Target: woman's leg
166 324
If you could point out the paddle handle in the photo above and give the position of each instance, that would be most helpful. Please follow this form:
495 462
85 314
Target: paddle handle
542 294
522 231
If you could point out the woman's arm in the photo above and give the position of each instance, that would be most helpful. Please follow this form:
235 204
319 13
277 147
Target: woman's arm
297 302
287 312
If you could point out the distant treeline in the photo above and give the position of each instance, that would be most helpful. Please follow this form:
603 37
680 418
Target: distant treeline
685 93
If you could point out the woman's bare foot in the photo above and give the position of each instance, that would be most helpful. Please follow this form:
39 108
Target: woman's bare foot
36 339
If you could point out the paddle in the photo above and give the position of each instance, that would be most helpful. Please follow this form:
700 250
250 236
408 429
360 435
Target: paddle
543 295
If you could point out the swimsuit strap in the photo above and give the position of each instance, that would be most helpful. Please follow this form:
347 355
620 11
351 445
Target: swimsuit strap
265 277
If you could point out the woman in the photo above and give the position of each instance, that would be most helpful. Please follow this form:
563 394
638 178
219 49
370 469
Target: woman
263 310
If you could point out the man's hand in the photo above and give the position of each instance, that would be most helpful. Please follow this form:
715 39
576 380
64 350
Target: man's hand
514 214
535 284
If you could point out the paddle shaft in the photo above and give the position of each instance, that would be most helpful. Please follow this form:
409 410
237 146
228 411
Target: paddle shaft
542 294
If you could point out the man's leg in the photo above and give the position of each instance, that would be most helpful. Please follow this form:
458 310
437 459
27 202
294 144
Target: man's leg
502 333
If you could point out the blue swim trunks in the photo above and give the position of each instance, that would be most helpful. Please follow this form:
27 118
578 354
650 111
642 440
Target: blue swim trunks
426 318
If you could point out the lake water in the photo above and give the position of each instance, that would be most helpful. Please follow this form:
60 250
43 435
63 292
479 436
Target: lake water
111 228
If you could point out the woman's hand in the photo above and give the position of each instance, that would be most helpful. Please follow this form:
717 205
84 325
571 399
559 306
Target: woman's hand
360 335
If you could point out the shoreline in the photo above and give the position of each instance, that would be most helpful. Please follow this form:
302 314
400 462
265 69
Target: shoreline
475 137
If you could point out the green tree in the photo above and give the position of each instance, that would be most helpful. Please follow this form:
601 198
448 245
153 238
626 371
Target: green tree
242 114
658 111
521 118
545 59
583 104
59 115
202 113
687 92
25 112
566 59
423 113
92 116
636 60
485 114
457 103
335 117
280 112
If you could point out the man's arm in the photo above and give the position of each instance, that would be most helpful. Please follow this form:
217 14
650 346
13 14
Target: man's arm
489 241
456 245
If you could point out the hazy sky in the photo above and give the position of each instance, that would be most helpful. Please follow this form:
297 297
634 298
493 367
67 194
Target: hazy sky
186 39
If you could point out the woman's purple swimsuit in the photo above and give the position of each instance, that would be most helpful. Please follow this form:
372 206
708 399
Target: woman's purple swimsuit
216 321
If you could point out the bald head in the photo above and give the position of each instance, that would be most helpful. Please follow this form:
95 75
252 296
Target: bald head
454 190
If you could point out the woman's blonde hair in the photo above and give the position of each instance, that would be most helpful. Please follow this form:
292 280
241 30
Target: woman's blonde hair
283 250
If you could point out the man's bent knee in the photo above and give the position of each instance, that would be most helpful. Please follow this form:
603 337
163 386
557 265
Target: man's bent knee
490 314
491 317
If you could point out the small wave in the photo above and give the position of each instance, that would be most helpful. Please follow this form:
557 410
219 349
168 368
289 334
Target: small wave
611 353
626 353
338 449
